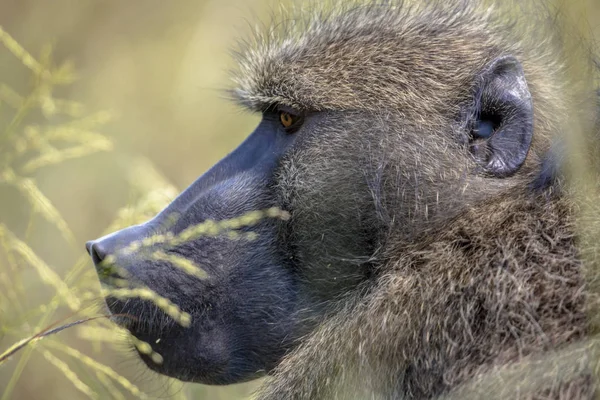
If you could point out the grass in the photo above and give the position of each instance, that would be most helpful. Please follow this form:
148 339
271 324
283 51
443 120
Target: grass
42 131
27 146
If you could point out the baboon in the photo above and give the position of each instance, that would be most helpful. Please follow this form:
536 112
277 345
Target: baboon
419 151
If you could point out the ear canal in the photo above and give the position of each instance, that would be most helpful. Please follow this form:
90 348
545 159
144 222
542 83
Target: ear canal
504 110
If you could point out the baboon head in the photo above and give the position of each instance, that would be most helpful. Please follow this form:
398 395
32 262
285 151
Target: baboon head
379 122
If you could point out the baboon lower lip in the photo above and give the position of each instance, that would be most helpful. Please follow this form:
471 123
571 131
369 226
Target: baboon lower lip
139 317
118 313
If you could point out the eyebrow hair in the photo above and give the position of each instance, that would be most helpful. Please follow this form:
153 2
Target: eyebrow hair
261 102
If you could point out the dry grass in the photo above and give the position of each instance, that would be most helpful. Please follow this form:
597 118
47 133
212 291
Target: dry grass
41 147
26 147
40 130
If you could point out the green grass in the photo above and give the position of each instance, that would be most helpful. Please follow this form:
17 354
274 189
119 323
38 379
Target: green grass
40 132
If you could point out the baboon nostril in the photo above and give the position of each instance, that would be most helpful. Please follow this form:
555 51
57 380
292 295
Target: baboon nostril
96 252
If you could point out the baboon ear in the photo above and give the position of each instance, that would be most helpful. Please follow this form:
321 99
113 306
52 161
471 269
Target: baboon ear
502 119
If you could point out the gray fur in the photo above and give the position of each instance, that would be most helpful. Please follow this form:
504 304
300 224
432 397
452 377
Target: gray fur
470 273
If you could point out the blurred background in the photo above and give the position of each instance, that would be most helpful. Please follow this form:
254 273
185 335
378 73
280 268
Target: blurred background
108 108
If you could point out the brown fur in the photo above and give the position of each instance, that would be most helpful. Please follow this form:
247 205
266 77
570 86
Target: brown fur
420 58
495 286
475 273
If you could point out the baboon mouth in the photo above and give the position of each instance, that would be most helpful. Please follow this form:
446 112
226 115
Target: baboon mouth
142 319
160 343
120 315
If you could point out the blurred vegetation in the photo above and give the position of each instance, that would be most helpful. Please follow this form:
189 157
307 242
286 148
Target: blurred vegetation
107 110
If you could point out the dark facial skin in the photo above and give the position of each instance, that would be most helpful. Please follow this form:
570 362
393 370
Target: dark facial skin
243 313
347 179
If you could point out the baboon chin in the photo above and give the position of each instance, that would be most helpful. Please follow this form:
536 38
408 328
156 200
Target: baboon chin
419 231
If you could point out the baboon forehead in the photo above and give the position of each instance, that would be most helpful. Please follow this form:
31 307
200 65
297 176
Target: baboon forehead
416 59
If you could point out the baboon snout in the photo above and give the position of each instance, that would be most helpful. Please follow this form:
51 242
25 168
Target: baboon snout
114 245
96 250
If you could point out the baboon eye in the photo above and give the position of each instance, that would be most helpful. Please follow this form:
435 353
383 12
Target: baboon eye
286 119
290 122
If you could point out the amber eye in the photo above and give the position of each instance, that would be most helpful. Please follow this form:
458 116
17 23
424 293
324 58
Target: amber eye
287 119
290 121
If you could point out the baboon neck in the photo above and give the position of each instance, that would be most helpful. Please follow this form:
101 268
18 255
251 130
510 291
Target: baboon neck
501 282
